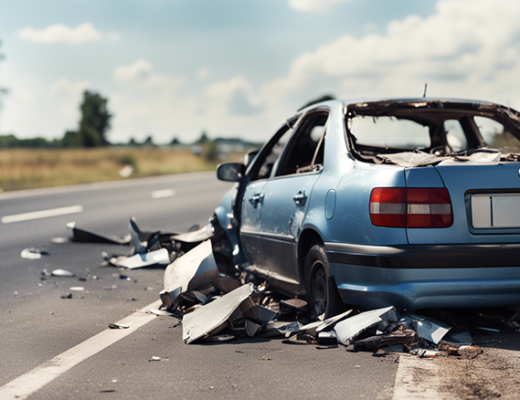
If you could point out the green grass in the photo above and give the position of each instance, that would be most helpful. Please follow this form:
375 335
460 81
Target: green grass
39 168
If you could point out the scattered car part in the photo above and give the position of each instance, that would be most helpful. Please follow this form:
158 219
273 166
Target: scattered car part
58 272
141 260
351 327
429 329
118 326
32 253
195 270
212 318
82 235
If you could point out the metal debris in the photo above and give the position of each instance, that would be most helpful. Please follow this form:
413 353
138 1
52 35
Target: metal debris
155 358
67 296
349 328
195 270
429 329
118 326
32 253
82 235
58 272
158 257
213 317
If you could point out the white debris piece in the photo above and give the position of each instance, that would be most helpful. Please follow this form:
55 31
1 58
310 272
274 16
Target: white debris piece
195 270
350 327
160 257
213 317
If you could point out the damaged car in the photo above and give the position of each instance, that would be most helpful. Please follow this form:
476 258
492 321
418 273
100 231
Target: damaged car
412 203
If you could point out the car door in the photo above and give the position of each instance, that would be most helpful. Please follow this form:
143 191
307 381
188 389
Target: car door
286 195
251 201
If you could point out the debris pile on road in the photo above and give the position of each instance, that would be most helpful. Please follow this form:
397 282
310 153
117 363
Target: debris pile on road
216 301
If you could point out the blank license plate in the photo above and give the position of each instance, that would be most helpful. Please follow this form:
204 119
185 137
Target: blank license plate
495 210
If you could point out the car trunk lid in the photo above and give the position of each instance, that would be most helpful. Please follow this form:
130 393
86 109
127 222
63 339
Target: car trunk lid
485 202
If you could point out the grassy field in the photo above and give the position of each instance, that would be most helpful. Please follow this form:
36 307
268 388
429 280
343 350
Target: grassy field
37 168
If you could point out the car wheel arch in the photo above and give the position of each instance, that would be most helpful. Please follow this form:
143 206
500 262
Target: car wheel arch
308 238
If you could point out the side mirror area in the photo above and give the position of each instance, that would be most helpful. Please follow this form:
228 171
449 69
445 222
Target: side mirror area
231 172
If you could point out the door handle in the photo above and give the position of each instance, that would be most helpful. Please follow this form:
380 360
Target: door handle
300 198
257 198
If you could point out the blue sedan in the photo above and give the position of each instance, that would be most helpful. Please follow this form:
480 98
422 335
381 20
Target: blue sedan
407 202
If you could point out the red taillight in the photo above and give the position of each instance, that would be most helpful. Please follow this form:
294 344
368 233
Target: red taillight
411 207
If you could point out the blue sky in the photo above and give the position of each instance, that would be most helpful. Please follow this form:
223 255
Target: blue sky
239 67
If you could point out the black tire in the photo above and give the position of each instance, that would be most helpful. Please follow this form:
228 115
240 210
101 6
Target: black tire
322 293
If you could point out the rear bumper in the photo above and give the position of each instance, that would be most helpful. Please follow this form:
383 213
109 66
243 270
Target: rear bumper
415 277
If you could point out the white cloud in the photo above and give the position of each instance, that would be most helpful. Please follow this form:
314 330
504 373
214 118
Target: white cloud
114 37
314 5
203 73
141 72
235 96
60 33
468 48
66 88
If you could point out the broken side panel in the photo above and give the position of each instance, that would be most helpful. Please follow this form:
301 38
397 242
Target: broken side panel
82 235
213 317
351 327
195 270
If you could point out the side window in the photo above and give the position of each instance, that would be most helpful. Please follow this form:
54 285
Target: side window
455 135
305 150
266 165
496 135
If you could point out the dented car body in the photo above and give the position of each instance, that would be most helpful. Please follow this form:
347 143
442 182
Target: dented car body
412 203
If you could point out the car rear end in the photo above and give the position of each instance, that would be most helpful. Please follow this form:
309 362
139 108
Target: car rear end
461 218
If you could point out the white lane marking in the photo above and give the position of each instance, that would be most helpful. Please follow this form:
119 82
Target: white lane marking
42 214
25 385
417 378
108 185
159 194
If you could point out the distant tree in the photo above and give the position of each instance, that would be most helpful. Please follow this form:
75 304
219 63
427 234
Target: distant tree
95 120
203 138
148 141
210 150
325 97
72 139
132 142
175 142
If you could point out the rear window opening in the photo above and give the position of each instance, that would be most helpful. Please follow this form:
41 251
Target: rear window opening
430 133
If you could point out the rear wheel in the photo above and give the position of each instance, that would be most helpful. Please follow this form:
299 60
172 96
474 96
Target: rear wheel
322 292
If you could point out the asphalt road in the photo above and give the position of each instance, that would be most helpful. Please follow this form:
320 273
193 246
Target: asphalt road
41 332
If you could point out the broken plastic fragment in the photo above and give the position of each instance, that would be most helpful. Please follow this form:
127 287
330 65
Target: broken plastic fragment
77 288
195 270
61 272
314 328
210 319
118 326
428 328
82 235
350 327
155 358
33 253
200 235
158 257
252 328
